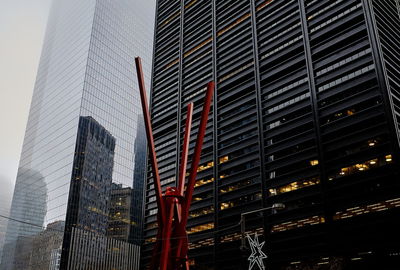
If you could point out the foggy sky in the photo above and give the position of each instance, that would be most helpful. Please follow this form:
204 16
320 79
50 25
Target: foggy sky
22 27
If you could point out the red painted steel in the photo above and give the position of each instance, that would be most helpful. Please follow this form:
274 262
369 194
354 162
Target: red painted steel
197 149
182 242
171 247
150 141
185 148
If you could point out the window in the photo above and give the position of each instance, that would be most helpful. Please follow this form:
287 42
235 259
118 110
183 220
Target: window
202 211
294 186
240 201
371 208
200 228
290 225
200 197
202 182
363 166
346 78
235 186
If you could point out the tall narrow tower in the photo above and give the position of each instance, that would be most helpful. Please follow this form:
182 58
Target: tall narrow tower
86 71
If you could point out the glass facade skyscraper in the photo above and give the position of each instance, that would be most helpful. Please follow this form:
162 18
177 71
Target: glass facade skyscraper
86 71
306 113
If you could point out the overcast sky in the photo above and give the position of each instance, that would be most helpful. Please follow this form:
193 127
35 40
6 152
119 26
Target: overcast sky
22 28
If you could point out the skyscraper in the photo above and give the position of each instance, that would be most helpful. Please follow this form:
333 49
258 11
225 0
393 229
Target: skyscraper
306 114
28 205
86 70
89 202
5 203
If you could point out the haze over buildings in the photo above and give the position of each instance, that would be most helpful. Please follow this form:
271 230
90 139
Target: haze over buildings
86 70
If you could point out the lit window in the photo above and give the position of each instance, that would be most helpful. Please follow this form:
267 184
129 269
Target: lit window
371 143
239 201
223 159
202 211
294 186
371 208
205 167
235 186
290 225
202 196
150 240
359 167
202 243
203 182
200 228
314 162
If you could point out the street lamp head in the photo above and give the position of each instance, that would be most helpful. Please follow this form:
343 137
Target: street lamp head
278 206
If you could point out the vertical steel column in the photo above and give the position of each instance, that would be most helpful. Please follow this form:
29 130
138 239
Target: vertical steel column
260 125
215 127
314 106
259 103
180 83
381 75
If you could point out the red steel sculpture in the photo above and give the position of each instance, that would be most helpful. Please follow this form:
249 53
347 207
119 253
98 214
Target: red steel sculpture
171 247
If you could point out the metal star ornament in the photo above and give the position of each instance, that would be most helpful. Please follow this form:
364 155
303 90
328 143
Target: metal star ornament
257 255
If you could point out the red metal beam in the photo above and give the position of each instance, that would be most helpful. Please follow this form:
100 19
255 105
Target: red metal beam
165 259
197 152
185 149
170 251
150 140
181 246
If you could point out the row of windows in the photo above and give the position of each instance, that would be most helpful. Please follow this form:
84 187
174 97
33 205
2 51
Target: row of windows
294 186
362 166
347 77
239 201
366 209
335 18
288 115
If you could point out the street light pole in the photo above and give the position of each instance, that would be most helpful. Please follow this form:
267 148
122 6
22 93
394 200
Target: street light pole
275 206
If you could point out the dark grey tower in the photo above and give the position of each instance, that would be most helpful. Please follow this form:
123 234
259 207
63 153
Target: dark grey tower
306 113
90 192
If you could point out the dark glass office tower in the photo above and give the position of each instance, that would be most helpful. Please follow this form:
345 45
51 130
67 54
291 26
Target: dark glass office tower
89 202
305 114
86 71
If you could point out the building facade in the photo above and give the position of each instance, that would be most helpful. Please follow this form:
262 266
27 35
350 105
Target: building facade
89 203
5 203
306 113
86 71
121 222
